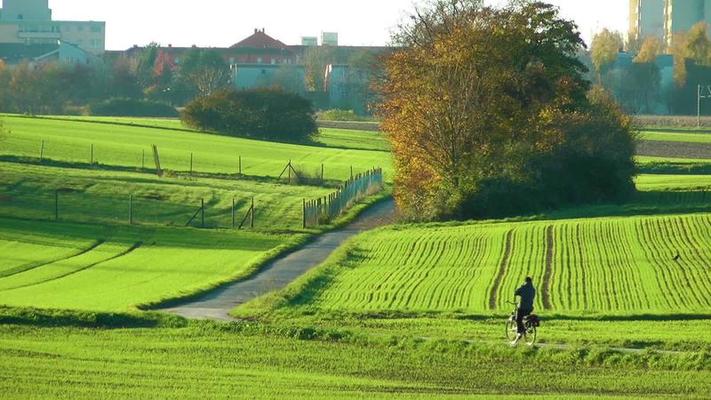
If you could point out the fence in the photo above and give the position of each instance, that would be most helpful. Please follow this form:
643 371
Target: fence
153 159
327 208
70 205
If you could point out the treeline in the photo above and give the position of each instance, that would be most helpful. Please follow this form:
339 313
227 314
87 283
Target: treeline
649 78
125 84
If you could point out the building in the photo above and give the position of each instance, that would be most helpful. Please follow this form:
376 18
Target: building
681 15
665 19
329 39
646 19
29 22
16 53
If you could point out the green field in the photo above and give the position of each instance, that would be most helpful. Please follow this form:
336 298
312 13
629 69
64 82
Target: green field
408 311
676 137
125 146
101 196
112 268
250 360
599 266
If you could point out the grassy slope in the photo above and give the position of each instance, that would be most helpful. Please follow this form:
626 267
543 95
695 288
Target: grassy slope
203 360
102 197
119 145
168 263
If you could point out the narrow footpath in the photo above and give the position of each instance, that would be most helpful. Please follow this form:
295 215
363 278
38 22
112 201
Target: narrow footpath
217 304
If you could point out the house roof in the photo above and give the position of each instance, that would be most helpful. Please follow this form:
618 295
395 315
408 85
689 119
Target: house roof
260 40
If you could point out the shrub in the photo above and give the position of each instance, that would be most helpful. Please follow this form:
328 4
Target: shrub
342 115
123 107
270 114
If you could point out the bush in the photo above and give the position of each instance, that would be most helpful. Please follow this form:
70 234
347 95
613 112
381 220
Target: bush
342 115
121 107
270 114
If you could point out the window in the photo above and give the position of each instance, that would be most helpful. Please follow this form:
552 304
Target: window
20 16
259 60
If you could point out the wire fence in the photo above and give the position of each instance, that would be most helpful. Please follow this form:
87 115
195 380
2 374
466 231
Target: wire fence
69 205
326 209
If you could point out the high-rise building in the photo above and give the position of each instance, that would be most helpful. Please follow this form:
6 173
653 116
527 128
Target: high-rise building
665 19
646 19
681 15
30 22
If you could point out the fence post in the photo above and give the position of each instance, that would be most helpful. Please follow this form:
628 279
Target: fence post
202 213
304 213
233 213
130 209
42 152
56 205
251 217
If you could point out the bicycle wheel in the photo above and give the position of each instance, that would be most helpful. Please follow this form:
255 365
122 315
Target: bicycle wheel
511 329
530 336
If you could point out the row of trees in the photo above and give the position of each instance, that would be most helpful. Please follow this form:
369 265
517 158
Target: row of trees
490 114
65 88
639 85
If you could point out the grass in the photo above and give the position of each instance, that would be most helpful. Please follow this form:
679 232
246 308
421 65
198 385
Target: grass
100 196
113 268
606 266
124 146
248 360
675 137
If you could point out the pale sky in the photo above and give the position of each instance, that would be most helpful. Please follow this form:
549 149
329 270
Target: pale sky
220 23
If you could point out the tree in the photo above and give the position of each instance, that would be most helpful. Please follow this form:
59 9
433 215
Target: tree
270 114
146 65
316 59
205 71
487 107
605 48
650 49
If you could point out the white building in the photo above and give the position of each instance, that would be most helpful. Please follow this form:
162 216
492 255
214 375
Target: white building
30 22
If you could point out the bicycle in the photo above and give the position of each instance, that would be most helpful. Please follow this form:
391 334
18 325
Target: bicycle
530 323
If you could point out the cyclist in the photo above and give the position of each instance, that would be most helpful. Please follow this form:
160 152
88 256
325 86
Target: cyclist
527 293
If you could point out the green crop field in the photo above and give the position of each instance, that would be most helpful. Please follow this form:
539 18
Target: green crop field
676 137
606 265
124 146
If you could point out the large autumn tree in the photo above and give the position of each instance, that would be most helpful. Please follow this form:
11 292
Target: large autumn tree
489 114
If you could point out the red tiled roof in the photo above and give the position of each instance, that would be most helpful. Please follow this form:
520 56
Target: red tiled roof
260 40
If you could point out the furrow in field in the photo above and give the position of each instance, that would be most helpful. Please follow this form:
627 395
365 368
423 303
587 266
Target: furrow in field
689 263
30 266
581 284
654 248
494 294
550 248
659 297
701 264
80 269
679 267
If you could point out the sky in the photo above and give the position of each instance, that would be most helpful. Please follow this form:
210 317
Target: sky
221 23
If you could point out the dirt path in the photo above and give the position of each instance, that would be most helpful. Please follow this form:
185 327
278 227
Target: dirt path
217 304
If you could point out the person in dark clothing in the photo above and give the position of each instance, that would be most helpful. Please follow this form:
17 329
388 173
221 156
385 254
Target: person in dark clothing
527 293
